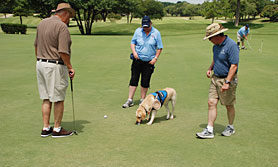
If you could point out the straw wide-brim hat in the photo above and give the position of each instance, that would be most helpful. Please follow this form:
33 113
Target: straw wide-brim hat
65 6
214 29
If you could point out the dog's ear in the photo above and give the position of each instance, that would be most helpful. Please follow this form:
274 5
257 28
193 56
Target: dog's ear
156 104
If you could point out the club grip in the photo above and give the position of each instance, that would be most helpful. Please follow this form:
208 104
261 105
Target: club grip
71 84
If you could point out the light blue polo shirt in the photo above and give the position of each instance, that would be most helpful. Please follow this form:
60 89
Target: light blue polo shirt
146 46
224 55
242 31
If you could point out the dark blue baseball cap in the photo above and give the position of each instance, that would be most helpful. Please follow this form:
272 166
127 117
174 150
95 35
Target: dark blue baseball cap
247 25
146 21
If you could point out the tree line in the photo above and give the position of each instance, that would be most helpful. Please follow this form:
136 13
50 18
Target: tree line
239 9
90 11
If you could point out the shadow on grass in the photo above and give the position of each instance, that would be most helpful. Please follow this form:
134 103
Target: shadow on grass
80 124
217 128
157 119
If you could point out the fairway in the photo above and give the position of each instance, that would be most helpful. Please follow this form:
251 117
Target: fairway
102 67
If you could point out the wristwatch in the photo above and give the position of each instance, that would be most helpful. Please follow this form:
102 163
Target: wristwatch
227 82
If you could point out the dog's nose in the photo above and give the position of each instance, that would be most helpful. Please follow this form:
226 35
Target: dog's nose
137 123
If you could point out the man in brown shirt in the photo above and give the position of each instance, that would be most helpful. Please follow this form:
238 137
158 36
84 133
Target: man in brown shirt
52 48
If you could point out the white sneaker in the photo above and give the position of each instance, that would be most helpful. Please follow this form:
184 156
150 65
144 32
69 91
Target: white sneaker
141 100
205 134
228 131
128 103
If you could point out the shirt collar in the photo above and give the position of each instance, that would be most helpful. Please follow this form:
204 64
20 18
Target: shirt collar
224 42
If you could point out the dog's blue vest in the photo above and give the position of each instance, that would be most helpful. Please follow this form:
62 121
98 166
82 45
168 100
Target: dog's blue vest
160 96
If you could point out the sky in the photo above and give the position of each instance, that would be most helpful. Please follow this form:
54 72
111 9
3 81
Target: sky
189 1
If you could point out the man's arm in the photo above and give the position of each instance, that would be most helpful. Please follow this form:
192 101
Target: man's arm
231 74
158 52
36 52
132 46
66 60
210 69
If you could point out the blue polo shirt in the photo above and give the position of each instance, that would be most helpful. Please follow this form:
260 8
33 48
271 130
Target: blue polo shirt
224 55
146 46
242 31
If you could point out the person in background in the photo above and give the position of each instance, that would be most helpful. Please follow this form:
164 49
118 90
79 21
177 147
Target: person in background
146 46
242 34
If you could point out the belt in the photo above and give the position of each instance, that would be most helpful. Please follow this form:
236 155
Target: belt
221 76
51 61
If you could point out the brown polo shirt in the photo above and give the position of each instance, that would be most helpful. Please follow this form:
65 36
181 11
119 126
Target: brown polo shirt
52 38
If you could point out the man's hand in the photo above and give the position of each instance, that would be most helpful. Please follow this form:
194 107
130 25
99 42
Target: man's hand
136 56
225 87
153 61
71 73
209 73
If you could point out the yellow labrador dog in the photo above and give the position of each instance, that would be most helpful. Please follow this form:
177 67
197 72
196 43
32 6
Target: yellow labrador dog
153 102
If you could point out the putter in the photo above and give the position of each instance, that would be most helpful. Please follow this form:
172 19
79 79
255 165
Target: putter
261 49
249 45
72 102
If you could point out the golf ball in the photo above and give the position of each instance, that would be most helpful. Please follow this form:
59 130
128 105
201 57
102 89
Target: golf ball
105 116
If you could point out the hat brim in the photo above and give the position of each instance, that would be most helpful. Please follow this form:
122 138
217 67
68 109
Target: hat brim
71 11
223 30
146 26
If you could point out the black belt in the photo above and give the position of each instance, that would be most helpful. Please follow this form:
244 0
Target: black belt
221 76
51 61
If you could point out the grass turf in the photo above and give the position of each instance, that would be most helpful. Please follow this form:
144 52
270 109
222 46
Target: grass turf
101 86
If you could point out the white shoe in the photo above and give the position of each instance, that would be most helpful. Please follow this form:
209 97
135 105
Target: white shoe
205 134
128 103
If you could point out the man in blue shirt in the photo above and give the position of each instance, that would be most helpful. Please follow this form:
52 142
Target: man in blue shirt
146 46
224 80
242 34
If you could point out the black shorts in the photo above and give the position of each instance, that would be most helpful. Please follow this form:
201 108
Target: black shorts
145 69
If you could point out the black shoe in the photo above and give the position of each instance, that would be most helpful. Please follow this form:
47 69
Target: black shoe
46 133
62 133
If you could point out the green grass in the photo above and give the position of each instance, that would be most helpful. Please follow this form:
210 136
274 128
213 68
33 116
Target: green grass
101 86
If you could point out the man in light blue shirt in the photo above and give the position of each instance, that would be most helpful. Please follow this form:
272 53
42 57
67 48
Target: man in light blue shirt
242 34
146 46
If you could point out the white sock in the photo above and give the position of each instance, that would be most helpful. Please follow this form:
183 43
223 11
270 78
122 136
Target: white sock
231 126
46 128
210 128
129 99
57 129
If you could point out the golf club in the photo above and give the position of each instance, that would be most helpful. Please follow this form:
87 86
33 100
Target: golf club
249 45
261 49
73 115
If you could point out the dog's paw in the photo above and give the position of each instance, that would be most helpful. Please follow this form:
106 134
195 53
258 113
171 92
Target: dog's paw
149 123
172 117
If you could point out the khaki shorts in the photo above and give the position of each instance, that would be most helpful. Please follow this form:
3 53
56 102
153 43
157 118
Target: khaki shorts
239 38
52 81
227 97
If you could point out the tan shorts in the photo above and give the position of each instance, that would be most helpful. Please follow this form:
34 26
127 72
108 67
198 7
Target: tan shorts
52 81
239 38
227 97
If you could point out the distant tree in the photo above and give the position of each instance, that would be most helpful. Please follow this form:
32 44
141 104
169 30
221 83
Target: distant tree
271 12
237 13
43 7
106 8
125 7
191 10
87 11
153 9
225 9
6 6
210 10
21 9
